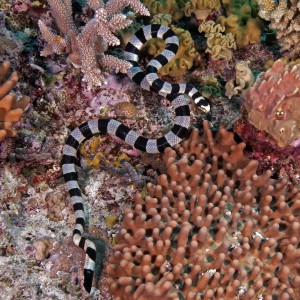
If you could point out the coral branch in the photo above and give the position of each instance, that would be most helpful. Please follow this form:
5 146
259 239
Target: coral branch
84 44
11 110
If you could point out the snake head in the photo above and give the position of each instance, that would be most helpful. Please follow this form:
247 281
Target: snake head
202 103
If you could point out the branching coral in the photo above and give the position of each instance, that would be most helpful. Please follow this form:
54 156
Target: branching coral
11 110
183 60
210 229
284 16
218 44
86 43
273 103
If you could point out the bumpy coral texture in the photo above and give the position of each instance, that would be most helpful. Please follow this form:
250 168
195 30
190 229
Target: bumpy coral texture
11 110
210 229
273 103
284 17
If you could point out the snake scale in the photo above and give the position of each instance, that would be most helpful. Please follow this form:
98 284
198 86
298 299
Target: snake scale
148 80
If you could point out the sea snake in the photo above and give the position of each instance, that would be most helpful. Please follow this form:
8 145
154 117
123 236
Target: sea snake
148 80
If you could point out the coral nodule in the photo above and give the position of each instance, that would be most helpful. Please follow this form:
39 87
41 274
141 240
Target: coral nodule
210 229
273 103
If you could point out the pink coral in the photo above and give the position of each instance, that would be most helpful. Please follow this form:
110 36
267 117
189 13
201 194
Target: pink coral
272 103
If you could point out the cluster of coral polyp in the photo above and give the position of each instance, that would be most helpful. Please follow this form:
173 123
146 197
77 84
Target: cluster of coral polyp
210 229
273 103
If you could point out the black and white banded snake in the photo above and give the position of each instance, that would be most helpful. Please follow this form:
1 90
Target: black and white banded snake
148 80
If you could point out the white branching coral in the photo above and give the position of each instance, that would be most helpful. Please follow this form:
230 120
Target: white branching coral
284 16
86 45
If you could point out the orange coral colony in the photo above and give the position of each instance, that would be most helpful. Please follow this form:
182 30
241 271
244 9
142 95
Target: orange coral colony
11 110
210 229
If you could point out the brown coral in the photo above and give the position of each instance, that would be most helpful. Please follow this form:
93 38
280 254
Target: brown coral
210 229
11 110
56 203
273 103
125 110
42 247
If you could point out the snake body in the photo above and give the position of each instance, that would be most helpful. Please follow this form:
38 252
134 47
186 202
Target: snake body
148 80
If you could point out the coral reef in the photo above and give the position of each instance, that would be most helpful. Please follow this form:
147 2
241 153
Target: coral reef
210 229
173 7
242 21
11 109
272 103
284 18
218 44
201 8
244 79
38 259
85 44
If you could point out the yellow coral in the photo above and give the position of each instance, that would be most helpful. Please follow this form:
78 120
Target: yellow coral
244 78
172 7
89 151
218 44
184 57
201 8
244 35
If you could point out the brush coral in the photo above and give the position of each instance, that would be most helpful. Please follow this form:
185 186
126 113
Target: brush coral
210 229
11 110
273 103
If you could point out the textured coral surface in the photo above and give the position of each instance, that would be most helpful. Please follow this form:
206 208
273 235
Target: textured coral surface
222 248
210 229
284 18
273 103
